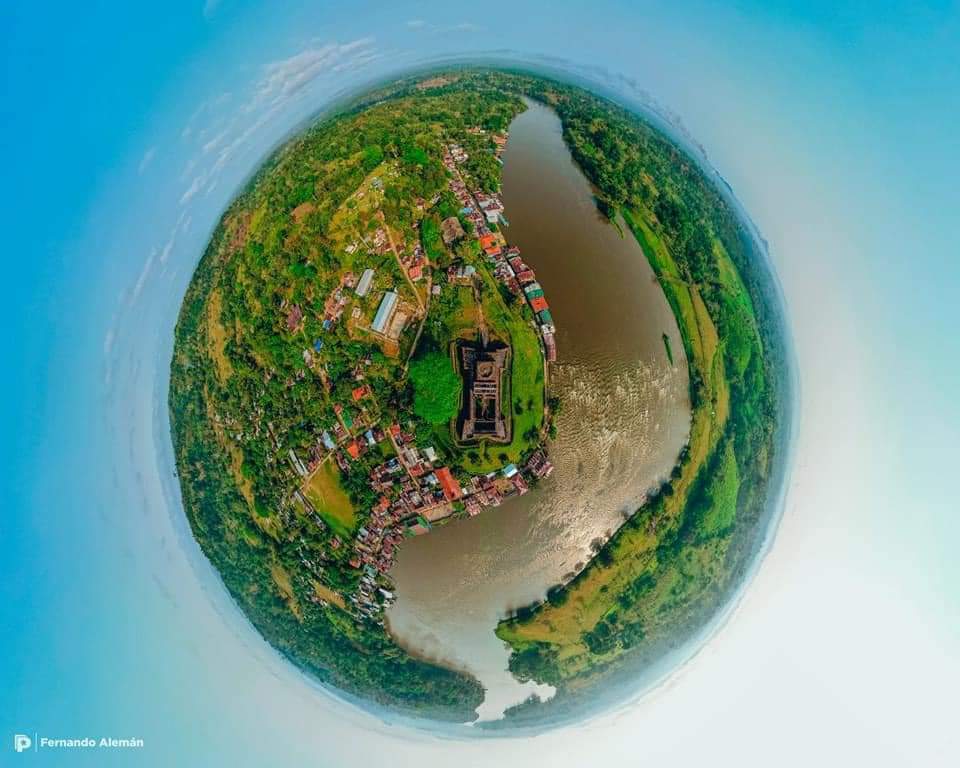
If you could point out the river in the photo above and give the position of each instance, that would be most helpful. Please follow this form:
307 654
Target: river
624 419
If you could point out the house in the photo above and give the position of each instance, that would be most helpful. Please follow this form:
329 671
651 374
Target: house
451 488
520 484
397 324
415 272
384 312
539 465
359 392
353 449
539 304
452 230
550 347
526 276
328 442
297 463
462 273
366 280
294 316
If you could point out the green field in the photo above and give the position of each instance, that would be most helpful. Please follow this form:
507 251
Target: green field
331 501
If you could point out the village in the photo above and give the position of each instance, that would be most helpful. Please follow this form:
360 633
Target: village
414 491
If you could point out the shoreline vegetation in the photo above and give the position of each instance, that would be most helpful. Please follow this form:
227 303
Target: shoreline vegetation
679 557
314 396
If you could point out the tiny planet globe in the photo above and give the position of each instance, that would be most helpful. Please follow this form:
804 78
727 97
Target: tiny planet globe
478 399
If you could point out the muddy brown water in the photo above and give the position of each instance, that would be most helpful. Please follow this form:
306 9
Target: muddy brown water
625 417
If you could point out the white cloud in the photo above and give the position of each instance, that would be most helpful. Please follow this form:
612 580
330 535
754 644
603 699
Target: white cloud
358 62
214 142
445 29
463 26
142 279
192 190
146 159
284 78
281 81
182 223
108 341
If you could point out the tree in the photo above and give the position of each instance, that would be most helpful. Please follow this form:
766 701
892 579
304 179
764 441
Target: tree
436 387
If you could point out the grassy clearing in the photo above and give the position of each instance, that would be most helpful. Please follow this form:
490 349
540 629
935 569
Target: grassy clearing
325 593
217 337
282 579
455 311
327 495
722 494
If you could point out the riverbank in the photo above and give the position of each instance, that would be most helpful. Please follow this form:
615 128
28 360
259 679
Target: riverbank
636 600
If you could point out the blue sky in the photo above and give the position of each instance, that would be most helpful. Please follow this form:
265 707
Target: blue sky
835 124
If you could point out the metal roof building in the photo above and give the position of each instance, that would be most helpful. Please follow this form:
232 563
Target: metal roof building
363 287
384 312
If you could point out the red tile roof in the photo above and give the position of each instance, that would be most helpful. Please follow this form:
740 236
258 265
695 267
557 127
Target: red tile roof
526 276
538 303
359 392
353 449
451 488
